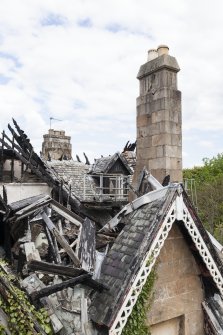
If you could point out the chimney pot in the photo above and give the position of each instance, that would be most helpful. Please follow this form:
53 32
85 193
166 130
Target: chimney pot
152 54
163 50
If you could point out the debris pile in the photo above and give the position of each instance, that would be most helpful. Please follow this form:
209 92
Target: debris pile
53 250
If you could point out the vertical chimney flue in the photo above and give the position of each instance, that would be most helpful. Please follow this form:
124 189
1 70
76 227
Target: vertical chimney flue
159 134
162 50
152 54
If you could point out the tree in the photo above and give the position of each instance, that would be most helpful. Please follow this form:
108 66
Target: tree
209 185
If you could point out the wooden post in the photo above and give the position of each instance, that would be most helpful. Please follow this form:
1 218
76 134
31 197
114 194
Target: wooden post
2 158
53 253
12 161
101 188
60 239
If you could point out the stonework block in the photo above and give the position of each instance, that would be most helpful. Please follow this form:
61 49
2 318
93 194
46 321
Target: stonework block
178 290
159 151
144 143
170 127
160 116
156 163
172 151
162 139
142 121
176 139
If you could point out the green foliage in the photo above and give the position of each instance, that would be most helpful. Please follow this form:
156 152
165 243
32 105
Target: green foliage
2 330
20 311
212 169
136 324
209 183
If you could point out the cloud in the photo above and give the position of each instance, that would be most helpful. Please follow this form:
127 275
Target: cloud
69 61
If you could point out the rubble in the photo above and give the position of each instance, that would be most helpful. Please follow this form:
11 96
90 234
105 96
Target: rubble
54 251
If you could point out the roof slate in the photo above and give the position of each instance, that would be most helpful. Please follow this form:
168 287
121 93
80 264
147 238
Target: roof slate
73 173
104 164
125 257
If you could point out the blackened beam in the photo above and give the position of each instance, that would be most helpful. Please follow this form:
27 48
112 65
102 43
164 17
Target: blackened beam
63 211
46 177
27 163
31 157
38 167
62 270
2 157
25 143
60 239
51 245
55 269
34 206
24 137
46 291
12 161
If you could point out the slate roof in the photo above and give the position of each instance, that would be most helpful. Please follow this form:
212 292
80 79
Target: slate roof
213 307
73 173
125 257
104 164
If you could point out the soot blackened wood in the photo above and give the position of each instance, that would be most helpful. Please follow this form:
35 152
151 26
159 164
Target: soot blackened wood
56 269
87 244
60 239
46 291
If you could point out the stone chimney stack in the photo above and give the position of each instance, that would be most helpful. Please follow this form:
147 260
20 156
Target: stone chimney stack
159 134
56 145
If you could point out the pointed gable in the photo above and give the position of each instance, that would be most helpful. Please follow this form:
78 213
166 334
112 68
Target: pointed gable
112 164
137 247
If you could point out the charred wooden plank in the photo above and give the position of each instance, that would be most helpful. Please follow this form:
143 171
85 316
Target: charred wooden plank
60 239
63 211
2 157
5 197
46 291
86 250
43 201
67 271
56 269
53 252
20 204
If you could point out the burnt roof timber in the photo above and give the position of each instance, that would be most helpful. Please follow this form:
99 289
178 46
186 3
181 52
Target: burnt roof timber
33 206
20 204
60 239
63 211
46 291
135 204
57 269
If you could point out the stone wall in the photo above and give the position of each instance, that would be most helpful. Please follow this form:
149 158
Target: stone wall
178 294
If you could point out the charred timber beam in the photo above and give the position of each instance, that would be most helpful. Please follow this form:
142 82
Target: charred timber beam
46 291
2 157
25 161
56 269
53 251
45 200
62 270
60 239
63 211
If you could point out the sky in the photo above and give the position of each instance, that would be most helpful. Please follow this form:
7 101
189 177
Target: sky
77 61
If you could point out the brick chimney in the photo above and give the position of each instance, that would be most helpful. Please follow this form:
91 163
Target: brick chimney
159 134
56 145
